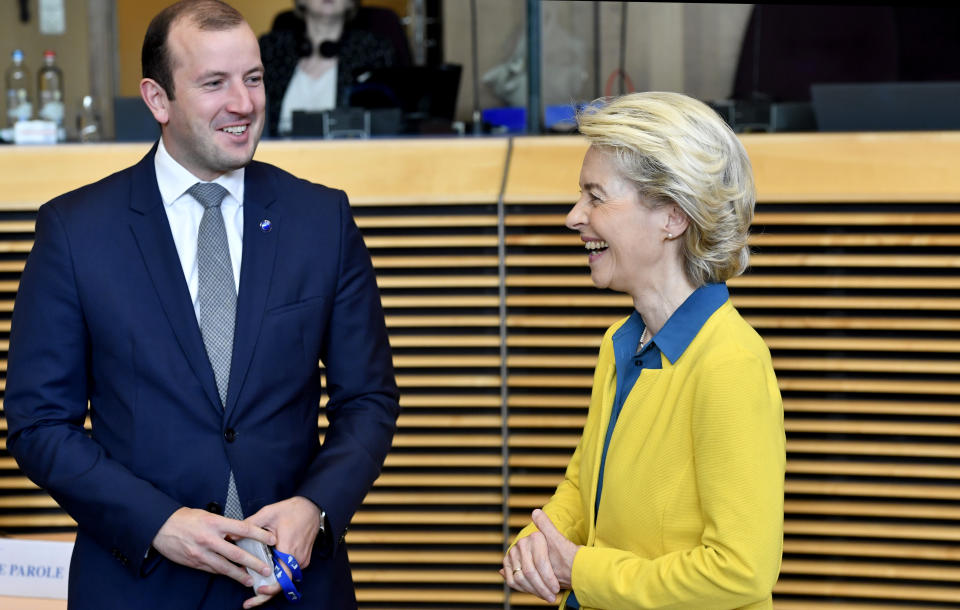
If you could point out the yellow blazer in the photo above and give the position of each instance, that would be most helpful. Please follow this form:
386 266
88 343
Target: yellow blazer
691 514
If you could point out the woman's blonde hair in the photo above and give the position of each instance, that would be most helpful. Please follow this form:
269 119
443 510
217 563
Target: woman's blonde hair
677 150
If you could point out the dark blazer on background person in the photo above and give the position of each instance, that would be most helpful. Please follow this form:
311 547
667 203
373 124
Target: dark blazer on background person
104 314
374 38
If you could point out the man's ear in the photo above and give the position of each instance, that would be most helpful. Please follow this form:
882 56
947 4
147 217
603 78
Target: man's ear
155 97
677 221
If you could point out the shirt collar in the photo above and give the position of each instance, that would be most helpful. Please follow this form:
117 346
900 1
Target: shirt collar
676 335
174 179
625 341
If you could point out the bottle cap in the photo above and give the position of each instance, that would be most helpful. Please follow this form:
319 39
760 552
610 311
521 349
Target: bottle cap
49 53
17 55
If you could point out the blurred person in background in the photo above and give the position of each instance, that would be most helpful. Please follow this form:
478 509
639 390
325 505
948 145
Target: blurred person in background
674 495
313 54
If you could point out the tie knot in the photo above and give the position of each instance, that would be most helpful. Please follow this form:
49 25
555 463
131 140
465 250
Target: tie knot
209 194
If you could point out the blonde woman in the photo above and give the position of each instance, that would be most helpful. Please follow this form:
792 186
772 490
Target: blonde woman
674 495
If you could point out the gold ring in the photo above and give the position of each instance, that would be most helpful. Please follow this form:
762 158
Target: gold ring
517 570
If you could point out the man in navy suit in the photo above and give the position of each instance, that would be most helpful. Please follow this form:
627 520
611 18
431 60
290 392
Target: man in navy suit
111 312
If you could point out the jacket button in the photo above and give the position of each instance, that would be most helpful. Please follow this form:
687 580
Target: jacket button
215 508
230 434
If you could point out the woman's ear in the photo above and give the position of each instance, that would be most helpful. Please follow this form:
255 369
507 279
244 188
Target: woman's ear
676 223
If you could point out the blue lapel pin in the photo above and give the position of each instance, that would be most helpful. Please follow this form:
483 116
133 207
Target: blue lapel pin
266 225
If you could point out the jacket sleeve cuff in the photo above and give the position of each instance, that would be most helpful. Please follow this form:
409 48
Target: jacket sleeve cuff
143 558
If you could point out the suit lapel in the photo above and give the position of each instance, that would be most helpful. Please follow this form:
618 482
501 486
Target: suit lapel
256 272
151 229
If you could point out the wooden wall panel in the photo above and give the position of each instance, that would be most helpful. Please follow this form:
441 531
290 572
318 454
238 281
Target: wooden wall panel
855 286
428 212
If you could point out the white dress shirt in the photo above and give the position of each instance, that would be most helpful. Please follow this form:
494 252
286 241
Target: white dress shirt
184 214
307 93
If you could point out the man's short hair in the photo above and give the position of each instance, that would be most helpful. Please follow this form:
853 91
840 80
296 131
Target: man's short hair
155 59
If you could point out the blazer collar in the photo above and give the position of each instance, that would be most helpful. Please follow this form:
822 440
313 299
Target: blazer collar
144 191
151 230
262 227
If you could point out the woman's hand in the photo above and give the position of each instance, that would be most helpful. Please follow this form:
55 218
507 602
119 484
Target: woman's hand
540 563
560 551
526 567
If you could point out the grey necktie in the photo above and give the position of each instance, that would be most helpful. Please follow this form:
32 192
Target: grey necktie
217 295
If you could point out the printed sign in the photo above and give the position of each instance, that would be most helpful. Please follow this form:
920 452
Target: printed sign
53 17
34 568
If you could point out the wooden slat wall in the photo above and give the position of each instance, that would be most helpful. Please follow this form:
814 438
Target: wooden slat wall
428 212
434 518
855 286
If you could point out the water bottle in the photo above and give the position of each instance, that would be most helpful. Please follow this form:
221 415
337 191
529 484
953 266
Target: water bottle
88 120
19 104
50 93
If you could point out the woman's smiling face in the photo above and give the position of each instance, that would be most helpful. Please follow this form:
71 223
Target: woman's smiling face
623 235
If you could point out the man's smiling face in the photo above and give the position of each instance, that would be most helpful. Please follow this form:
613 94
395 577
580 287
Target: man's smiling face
216 117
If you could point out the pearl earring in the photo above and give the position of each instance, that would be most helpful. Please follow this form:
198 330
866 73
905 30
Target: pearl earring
669 235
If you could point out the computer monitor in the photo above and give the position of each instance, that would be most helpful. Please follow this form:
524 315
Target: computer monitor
132 120
894 106
421 92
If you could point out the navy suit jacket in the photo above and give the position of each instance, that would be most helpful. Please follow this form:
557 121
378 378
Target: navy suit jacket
103 314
